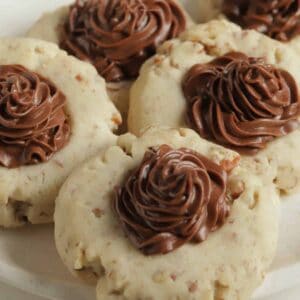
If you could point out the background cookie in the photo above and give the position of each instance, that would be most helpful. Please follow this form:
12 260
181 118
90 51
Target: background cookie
278 20
27 192
124 56
157 97
228 265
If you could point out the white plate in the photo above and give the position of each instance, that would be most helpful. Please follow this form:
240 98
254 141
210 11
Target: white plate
28 260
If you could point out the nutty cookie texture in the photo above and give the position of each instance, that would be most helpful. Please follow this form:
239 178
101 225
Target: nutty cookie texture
54 114
279 20
168 215
237 88
117 37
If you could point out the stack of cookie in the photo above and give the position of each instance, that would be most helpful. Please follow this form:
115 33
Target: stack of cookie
181 200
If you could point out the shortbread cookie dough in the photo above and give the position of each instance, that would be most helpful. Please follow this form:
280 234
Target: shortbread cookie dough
168 216
55 113
116 37
280 20
236 88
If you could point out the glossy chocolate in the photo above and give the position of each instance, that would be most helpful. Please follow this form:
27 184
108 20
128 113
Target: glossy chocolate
241 102
279 19
173 197
33 124
118 36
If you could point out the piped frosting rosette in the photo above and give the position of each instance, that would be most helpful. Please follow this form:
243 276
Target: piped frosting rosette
54 114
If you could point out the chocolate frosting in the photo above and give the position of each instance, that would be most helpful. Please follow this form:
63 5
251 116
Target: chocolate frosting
173 197
117 36
279 19
33 124
241 102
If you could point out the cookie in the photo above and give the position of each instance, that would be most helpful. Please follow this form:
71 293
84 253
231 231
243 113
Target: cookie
121 45
206 80
277 19
55 113
168 216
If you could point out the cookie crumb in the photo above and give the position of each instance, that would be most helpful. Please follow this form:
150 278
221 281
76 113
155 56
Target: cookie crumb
173 276
98 213
38 50
78 77
229 165
157 60
236 189
193 286
116 119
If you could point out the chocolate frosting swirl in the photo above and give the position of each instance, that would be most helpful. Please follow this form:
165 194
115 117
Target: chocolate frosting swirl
173 197
117 36
33 124
241 101
279 19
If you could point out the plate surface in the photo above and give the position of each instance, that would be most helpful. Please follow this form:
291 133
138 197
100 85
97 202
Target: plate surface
30 268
